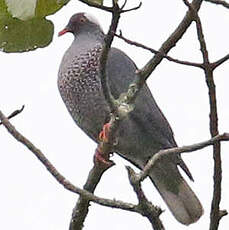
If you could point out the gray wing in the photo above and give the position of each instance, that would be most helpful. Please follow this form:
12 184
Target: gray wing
146 113
146 120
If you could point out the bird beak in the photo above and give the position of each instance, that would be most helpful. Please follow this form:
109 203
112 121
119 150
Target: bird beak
65 30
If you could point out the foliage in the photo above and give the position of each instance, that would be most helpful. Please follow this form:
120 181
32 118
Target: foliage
23 26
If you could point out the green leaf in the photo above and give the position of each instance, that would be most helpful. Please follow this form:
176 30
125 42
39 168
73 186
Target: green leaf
3 9
47 7
20 36
23 26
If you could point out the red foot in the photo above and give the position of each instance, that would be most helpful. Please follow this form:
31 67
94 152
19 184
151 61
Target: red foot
99 157
104 134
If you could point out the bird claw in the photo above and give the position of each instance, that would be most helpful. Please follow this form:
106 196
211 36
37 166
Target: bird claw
104 134
103 158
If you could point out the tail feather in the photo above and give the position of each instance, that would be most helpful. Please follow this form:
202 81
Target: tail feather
176 193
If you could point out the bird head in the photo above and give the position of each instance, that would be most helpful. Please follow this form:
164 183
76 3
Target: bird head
81 22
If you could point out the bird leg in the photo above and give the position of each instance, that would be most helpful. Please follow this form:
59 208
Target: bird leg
102 155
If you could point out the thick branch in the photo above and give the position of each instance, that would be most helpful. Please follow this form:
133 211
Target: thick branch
116 12
104 148
144 73
81 209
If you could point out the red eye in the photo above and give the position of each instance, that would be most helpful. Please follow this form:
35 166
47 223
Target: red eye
83 19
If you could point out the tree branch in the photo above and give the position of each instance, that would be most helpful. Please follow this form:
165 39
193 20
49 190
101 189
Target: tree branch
144 207
110 9
60 178
178 150
215 209
92 181
96 5
134 88
199 65
148 209
81 209
170 42
219 2
216 64
145 72
15 113
91 184
103 59
104 147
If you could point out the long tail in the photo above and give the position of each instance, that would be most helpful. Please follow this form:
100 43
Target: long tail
177 194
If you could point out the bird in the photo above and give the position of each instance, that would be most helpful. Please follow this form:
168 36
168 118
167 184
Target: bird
144 131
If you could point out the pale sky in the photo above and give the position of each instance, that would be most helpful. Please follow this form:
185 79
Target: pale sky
32 199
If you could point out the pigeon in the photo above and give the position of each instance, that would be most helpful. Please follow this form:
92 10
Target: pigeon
144 131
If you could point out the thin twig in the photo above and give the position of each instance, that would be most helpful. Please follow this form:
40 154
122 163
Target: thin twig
178 150
131 9
110 9
214 65
15 113
96 5
120 35
219 2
